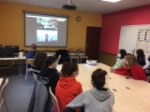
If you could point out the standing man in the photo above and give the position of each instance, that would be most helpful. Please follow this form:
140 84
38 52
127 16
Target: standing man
46 37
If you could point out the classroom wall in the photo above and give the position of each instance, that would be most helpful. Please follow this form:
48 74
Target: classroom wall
12 24
112 22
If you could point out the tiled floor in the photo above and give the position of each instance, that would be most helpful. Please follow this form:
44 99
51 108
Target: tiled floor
17 95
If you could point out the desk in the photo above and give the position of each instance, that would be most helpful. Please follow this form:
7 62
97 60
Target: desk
13 59
130 95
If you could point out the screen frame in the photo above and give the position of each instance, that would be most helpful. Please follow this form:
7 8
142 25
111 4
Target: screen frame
47 14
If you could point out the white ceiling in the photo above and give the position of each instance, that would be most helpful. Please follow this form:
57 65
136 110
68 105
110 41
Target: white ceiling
97 6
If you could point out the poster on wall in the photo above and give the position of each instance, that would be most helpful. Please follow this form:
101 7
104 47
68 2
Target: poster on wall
133 37
148 35
141 34
143 40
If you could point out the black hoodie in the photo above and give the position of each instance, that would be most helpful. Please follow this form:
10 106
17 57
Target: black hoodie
49 77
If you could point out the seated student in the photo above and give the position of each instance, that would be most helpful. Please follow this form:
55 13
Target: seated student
67 87
31 53
149 58
98 99
49 76
120 59
140 57
131 68
148 68
38 63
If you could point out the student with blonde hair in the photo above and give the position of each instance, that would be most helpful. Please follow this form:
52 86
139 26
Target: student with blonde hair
131 68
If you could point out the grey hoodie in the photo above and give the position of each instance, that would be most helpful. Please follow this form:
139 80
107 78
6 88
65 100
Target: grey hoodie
94 101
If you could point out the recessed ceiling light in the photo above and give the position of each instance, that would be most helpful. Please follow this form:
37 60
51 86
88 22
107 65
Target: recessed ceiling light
111 0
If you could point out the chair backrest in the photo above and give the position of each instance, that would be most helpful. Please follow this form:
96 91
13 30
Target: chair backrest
73 52
3 87
81 52
29 61
54 100
35 76
28 66
2 91
58 59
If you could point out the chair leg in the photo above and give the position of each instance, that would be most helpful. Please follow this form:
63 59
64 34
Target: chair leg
6 106
26 77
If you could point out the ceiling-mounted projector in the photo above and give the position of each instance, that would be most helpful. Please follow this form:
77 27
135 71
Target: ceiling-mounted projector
69 6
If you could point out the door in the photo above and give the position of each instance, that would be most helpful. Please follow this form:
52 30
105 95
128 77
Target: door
92 42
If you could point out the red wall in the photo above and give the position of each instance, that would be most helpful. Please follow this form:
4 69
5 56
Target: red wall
111 25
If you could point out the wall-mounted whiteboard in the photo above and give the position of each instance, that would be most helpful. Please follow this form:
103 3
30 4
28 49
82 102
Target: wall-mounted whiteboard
129 39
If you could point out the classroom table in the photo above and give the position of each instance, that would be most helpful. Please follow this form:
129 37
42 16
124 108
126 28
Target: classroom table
14 59
130 95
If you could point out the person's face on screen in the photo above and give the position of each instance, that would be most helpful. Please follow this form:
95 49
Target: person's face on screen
46 35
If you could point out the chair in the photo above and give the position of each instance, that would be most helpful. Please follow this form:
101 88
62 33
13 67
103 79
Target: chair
54 101
58 59
82 55
74 55
35 76
2 98
28 61
40 100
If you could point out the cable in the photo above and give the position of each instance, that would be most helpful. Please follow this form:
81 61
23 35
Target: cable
8 66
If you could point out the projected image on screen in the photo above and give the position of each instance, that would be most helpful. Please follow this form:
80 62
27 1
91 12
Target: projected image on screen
45 30
46 36
47 23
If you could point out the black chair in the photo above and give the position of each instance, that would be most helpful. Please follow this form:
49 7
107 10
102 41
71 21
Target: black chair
65 57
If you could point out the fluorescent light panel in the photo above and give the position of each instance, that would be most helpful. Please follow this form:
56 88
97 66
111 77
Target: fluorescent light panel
111 1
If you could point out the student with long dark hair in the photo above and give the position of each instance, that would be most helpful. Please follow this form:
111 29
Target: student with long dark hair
140 57
97 99
67 87
38 63
49 76
120 59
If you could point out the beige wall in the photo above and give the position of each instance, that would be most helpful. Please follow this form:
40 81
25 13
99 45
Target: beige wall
12 24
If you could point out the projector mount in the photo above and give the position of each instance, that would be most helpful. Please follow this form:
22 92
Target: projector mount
69 6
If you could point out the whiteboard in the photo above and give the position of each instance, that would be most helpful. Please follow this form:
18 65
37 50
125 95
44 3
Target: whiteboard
129 38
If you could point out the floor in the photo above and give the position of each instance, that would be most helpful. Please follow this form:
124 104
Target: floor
17 95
